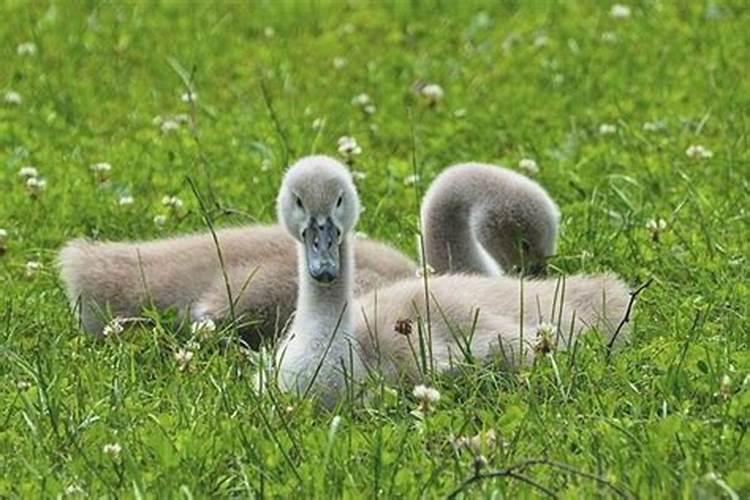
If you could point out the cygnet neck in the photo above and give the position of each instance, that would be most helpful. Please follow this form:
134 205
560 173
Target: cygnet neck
323 306
450 241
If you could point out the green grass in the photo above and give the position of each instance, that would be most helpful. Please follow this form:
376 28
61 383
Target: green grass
654 421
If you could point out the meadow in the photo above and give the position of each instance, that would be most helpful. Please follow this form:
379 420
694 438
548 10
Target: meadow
146 120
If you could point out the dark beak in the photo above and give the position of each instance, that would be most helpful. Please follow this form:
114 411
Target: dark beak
322 250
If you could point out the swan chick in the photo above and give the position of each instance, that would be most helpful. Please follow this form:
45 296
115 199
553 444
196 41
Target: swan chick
337 339
319 207
484 219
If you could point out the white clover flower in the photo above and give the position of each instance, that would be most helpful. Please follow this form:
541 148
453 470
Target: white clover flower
607 129
654 126
339 62
125 200
656 227
427 396
73 489
269 32
33 268
160 220
656 224
35 185
432 92
620 11
12 97
348 147
361 100
364 102
410 180
114 327
420 272
169 125
28 172
699 152
202 327
101 168
23 385
609 37
112 449
189 96
172 202
528 166
183 357
26 49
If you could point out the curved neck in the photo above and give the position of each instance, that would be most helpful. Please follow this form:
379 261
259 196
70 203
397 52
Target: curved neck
450 240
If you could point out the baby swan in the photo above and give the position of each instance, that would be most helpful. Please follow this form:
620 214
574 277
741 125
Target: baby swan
477 216
335 339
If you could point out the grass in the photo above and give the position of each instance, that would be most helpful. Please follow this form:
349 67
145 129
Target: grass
667 416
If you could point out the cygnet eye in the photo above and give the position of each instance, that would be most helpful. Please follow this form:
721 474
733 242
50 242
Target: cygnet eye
340 201
298 201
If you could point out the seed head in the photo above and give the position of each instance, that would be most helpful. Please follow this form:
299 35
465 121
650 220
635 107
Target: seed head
427 396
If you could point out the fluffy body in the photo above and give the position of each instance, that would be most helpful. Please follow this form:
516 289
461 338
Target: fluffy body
485 219
481 318
336 338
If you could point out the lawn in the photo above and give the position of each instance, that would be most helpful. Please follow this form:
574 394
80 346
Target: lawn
637 116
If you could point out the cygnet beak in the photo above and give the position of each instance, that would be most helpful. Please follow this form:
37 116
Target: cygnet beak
322 250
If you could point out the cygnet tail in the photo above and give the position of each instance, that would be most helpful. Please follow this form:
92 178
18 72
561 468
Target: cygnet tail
576 303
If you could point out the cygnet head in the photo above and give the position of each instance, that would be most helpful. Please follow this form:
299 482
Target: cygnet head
318 205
